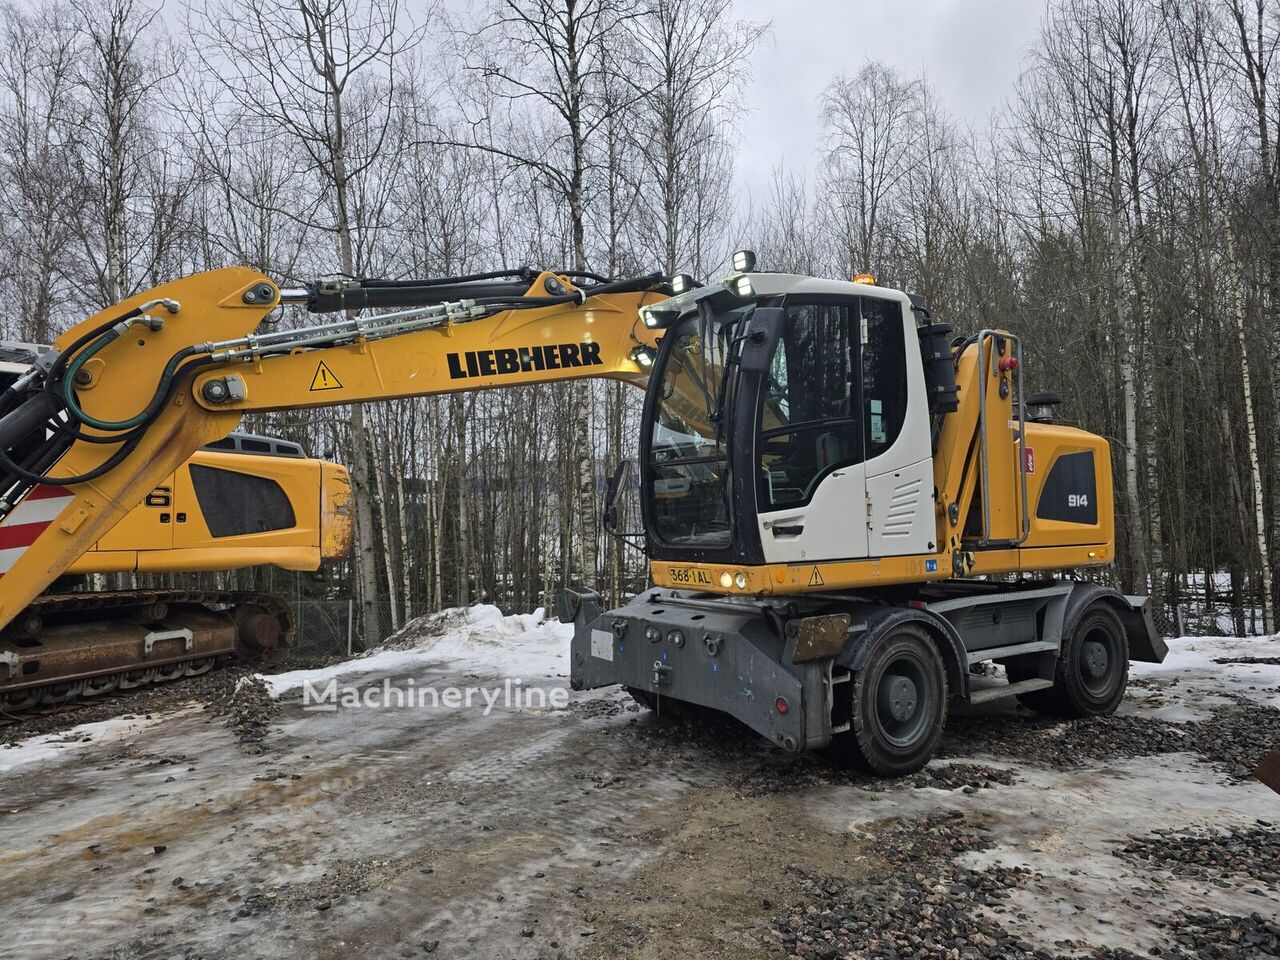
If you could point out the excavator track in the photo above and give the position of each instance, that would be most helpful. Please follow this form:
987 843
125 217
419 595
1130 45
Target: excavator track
67 646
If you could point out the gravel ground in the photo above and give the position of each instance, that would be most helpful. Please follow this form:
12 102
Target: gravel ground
1252 852
920 903
1234 738
154 699
234 825
228 691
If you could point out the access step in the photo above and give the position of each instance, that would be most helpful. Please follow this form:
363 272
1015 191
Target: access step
1009 690
1013 650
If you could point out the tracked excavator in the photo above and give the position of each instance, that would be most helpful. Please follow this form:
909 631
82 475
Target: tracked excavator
845 510
244 500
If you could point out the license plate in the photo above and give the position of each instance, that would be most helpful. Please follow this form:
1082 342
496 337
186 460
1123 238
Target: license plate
692 576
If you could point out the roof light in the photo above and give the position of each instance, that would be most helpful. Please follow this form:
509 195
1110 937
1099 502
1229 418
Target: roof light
741 285
655 318
744 261
867 278
682 283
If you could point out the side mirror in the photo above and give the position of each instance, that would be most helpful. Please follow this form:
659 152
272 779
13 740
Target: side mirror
613 493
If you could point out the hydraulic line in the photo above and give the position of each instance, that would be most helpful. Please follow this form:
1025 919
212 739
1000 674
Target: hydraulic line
147 414
54 405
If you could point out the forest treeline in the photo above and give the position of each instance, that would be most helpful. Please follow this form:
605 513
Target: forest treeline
1120 212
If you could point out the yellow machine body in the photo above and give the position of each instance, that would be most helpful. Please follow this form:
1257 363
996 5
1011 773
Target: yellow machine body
1020 535
562 341
223 511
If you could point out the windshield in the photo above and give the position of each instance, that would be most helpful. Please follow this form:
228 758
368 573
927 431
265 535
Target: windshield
688 446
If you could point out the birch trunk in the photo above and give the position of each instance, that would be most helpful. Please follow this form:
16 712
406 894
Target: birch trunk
463 583
1251 430
384 523
402 518
1129 398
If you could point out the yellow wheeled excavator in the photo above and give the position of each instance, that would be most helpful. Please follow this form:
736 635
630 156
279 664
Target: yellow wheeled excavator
843 508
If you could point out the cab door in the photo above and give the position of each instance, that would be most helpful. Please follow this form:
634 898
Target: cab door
896 444
811 481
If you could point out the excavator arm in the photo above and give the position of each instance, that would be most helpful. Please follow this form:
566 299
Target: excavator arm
133 391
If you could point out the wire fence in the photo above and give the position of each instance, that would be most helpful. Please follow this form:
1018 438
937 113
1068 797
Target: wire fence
338 628
324 629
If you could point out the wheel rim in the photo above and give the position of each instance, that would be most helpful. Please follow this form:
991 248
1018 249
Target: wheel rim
1097 662
903 698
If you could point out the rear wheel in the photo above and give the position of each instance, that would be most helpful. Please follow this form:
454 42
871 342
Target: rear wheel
899 706
1091 673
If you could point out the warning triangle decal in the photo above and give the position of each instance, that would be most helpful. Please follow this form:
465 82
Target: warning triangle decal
324 379
816 580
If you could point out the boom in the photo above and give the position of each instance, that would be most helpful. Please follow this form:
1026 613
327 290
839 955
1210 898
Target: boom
133 391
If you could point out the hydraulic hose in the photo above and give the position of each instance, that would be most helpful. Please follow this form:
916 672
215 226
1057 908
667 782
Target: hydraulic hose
109 464
147 414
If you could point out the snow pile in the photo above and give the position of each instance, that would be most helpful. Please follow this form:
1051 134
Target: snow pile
477 640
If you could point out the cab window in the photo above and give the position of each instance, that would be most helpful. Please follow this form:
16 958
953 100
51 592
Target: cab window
835 394
884 375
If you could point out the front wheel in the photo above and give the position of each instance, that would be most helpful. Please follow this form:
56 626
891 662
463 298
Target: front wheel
899 706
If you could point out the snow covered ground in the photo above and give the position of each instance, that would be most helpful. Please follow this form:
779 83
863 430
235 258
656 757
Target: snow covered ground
62 745
528 833
1202 669
476 641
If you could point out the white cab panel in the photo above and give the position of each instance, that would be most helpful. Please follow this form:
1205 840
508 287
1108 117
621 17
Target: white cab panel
834 522
900 519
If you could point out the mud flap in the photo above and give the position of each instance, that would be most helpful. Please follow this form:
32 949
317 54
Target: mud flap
1145 643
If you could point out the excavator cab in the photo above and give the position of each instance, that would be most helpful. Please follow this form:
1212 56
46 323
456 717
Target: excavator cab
776 410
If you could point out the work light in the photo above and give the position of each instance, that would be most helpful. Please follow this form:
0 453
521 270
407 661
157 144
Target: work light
643 356
682 283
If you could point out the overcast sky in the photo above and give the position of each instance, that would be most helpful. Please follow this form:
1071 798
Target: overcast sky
971 51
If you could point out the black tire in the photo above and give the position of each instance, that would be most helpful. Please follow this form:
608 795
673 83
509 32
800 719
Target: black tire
1091 673
899 706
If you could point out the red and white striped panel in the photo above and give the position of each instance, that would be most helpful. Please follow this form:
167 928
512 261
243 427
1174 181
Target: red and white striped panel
29 519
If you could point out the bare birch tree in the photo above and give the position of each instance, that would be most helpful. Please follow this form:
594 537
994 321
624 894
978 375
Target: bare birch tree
321 75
